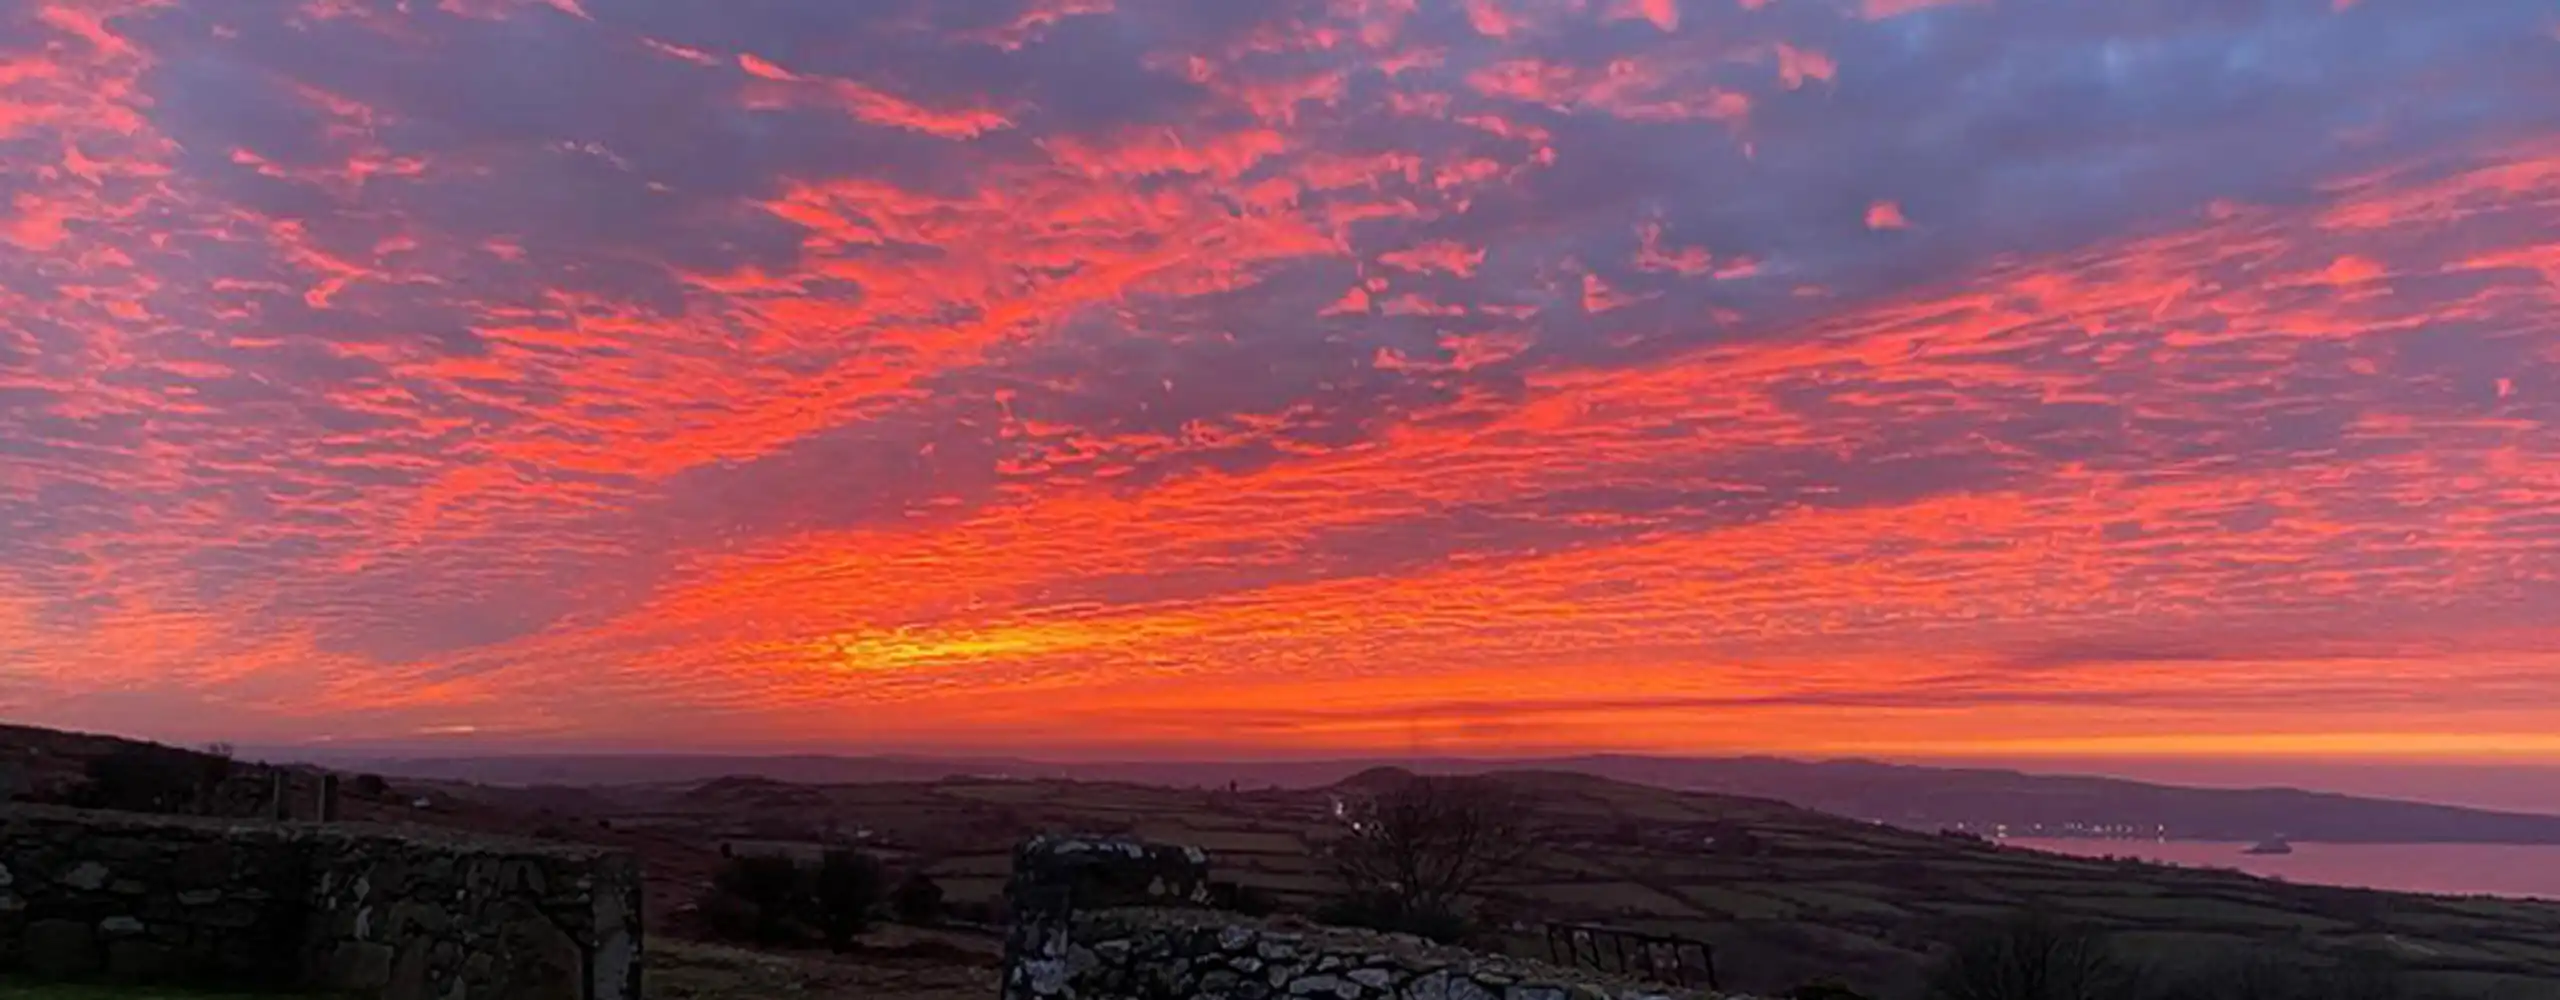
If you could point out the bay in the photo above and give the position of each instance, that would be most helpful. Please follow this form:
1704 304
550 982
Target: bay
2524 871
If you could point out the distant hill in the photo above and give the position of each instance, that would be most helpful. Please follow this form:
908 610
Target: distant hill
1783 894
1924 798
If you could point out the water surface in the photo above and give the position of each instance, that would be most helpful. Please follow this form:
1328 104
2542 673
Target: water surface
2449 869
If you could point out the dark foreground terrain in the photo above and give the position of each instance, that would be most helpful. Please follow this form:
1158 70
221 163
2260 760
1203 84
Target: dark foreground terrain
1785 895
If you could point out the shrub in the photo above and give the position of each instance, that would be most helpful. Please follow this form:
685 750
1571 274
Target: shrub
2031 957
1252 901
728 916
1384 912
847 886
371 786
917 900
765 893
144 778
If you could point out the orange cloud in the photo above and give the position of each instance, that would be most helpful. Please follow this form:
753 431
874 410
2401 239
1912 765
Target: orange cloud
778 87
1633 89
1665 14
1877 10
1347 379
1795 66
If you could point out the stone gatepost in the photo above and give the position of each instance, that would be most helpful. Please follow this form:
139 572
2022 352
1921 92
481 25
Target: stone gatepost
1054 876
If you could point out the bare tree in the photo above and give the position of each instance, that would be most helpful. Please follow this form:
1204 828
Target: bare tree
2032 957
1421 844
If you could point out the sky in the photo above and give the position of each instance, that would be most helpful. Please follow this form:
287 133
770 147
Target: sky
1907 377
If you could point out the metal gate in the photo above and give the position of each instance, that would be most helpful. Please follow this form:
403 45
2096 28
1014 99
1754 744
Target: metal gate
1662 958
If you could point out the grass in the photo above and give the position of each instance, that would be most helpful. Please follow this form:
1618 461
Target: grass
18 990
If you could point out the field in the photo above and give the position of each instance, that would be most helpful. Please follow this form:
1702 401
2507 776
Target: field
1784 895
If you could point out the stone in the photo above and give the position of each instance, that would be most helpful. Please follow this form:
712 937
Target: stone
128 887
1445 985
230 914
121 926
1311 985
6 879
87 876
200 897
11 904
410 979
358 967
528 877
542 959
1534 993
202 865
1044 977
616 969
61 949
1376 979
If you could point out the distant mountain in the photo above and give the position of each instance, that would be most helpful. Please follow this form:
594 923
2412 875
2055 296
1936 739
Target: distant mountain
1917 797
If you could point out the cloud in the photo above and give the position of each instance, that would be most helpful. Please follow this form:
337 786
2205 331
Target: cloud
901 370
1886 215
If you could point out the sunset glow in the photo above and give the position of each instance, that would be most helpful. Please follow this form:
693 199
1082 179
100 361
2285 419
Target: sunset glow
1307 376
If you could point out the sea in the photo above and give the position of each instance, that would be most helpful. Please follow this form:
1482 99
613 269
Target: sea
2443 869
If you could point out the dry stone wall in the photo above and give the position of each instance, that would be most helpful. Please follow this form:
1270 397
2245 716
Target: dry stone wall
1103 919
398 914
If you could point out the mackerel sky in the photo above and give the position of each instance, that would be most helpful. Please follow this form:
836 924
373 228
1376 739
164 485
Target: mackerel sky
1284 376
